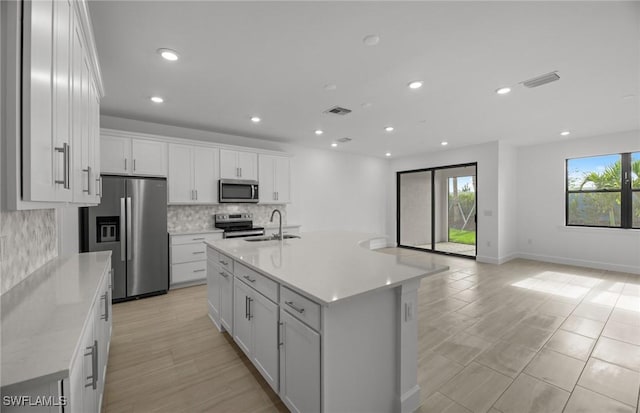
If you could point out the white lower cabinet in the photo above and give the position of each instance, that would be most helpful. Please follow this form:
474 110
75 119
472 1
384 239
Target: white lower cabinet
188 258
299 365
277 328
255 330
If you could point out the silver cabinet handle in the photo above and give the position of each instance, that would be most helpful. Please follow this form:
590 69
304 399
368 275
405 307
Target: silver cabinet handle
65 150
280 334
125 164
105 297
196 192
93 352
252 280
129 228
99 186
292 305
200 270
88 171
197 252
224 274
249 306
274 196
240 172
134 164
197 239
277 195
224 262
246 307
123 224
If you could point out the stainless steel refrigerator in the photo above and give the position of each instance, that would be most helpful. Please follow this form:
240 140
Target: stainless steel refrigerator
131 222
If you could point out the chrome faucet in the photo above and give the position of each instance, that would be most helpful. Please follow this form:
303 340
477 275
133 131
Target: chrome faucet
279 236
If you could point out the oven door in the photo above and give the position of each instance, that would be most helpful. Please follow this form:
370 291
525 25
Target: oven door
238 191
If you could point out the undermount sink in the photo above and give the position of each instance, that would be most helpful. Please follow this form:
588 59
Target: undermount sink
271 238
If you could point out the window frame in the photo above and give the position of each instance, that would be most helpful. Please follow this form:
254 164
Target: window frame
626 192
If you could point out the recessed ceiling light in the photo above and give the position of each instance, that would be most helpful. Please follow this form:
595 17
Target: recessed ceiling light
334 144
416 84
330 86
168 54
366 105
255 119
371 40
388 128
157 99
444 143
387 154
565 133
319 132
503 90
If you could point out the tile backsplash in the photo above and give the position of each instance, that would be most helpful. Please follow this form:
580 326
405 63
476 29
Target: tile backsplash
28 241
198 217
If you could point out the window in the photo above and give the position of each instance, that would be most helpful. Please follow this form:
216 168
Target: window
604 191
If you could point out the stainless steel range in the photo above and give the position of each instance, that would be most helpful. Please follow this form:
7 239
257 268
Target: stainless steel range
237 225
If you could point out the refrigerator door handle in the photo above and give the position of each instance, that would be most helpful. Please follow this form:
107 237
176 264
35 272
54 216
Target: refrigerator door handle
129 243
122 227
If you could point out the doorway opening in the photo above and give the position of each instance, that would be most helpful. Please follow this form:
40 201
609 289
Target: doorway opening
437 209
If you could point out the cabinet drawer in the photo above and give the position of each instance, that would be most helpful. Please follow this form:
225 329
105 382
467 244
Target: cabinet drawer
264 285
188 253
195 238
300 307
189 271
225 262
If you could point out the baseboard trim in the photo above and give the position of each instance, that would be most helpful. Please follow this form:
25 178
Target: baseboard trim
410 400
579 263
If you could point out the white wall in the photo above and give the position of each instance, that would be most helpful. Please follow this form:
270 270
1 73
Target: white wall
541 233
507 202
486 155
330 189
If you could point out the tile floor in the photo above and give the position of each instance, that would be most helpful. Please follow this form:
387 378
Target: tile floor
527 336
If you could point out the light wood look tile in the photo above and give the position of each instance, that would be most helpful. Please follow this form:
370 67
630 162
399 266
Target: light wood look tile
530 395
611 380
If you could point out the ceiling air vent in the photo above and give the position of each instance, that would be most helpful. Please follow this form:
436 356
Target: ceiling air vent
337 110
541 80
345 140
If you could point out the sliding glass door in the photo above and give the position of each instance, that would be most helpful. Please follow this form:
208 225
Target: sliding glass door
437 209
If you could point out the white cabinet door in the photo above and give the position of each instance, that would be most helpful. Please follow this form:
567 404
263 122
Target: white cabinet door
205 175
37 92
62 28
213 290
275 179
248 165
299 365
83 373
264 321
114 154
229 164
266 178
282 179
241 322
148 157
226 300
180 174
238 165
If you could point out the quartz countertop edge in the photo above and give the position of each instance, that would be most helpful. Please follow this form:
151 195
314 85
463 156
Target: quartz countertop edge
195 231
43 318
353 269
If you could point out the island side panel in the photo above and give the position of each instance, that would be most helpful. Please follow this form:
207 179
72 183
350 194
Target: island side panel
360 354
407 347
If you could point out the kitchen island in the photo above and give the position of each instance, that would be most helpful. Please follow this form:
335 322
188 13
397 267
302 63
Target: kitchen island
329 323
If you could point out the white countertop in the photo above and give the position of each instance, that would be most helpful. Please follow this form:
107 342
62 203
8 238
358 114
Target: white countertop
43 317
325 266
196 231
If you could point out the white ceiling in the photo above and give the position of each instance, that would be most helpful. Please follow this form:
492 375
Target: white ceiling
273 59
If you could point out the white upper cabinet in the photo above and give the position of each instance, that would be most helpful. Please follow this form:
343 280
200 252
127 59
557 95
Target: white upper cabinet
60 95
122 155
275 179
193 176
238 165
114 152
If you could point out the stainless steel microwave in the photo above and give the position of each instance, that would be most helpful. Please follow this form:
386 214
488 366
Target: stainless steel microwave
238 191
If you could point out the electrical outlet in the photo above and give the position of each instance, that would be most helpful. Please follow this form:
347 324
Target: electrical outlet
488 243
2 246
529 241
